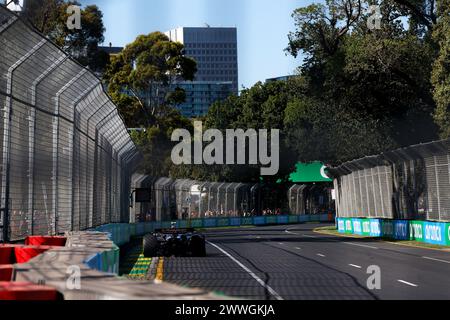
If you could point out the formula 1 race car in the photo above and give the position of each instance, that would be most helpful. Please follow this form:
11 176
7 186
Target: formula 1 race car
174 242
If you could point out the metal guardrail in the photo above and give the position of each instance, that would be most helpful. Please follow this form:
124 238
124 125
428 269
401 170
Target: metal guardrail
66 156
409 183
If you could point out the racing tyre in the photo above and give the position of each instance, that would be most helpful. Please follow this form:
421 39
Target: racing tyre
150 245
197 246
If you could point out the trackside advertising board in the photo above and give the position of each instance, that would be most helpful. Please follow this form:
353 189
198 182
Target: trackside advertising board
363 227
120 233
437 233
447 234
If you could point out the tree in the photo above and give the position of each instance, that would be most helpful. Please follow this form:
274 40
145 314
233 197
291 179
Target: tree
140 81
441 69
155 143
259 107
142 75
50 17
363 91
320 28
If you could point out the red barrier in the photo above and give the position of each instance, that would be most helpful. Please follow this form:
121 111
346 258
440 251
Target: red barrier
45 241
27 291
24 254
6 254
6 272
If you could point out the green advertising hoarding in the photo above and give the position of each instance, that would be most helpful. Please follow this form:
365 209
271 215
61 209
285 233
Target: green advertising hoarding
416 231
309 172
447 233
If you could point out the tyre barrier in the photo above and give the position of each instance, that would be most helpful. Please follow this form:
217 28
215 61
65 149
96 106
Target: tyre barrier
437 233
86 269
23 291
12 256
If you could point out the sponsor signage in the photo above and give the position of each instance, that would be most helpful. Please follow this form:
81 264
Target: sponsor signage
401 230
447 233
387 229
416 231
423 231
375 227
435 233
341 225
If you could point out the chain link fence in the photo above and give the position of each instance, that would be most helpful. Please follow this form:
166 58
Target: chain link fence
173 199
409 183
67 157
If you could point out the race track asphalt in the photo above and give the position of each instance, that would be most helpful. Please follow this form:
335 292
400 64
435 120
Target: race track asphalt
294 263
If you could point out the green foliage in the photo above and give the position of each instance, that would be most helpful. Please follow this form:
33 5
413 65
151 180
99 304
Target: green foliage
441 69
50 17
144 71
259 107
364 91
139 81
155 143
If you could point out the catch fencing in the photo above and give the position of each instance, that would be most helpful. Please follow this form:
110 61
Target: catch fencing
66 156
172 199
412 183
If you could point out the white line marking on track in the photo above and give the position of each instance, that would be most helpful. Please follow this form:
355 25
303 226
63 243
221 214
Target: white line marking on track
434 259
360 245
281 243
408 283
297 234
321 255
298 248
355 266
254 276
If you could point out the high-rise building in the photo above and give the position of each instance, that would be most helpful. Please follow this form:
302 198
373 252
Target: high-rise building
215 50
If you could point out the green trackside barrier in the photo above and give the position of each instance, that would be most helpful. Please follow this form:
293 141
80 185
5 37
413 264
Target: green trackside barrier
236 222
437 233
210 223
197 223
107 261
259 221
416 229
166 225
110 260
223 222
271 220
121 233
447 236
148 227
282 220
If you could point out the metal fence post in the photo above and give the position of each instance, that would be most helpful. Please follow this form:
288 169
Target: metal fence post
75 148
4 211
89 218
98 128
56 144
7 119
34 87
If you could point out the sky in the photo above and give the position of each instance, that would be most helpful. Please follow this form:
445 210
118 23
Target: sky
263 26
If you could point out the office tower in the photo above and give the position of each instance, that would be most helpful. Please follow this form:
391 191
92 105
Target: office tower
215 50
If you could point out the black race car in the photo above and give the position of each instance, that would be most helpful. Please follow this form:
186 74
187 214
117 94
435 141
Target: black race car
174 242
